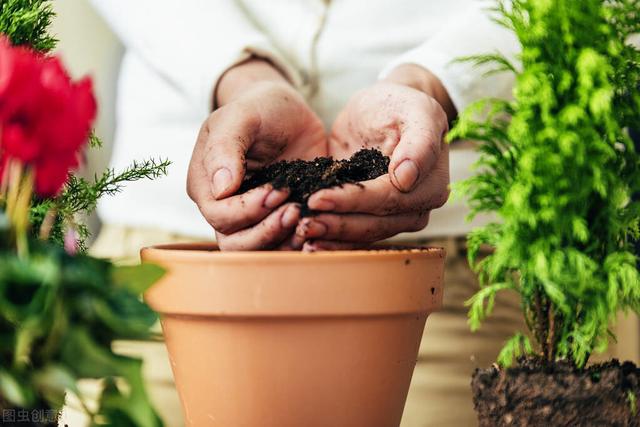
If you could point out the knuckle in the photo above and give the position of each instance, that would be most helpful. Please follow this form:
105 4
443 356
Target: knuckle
420 222
415 226
441 198
391 203
190 190
442 118
423 221
342 228
215 220
383 231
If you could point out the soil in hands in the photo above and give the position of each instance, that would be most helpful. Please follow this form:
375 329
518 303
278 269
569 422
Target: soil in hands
305 177
534 394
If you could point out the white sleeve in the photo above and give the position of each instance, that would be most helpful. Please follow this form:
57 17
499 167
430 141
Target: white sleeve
191 43
470 33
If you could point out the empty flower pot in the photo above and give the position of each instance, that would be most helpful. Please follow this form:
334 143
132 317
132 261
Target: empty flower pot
288 339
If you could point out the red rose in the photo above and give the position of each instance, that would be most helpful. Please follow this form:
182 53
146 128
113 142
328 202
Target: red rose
45 118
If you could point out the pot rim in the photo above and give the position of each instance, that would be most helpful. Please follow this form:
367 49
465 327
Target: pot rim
209 250
325 284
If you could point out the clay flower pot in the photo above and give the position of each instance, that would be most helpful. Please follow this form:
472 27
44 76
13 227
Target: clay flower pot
289 339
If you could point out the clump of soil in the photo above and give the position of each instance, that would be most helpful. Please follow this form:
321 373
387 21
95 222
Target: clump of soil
534 394
305 177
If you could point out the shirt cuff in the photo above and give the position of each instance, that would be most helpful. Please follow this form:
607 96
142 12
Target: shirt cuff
259 50
465 83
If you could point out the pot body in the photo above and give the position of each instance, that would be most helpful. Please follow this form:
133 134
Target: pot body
294 339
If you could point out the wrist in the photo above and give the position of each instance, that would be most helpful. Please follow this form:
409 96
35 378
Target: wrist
425 81
244 76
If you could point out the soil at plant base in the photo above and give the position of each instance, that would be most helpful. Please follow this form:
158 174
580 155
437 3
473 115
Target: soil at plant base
305 177
532 394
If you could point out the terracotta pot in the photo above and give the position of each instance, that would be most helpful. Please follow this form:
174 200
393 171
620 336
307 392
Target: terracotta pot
294 339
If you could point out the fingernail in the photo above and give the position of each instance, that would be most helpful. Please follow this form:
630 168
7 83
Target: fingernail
312 228
221 181
322 205
309 247
274 199
290 216
406 174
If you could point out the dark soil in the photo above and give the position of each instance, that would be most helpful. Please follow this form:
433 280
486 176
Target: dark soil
305 177
533 394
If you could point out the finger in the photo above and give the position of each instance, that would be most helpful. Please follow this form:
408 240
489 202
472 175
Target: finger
359 228
377 196
269 233
381 197
244 210
420 145
328 245
229 134
289 244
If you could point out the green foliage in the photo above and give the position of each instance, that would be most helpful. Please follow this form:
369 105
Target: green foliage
517 346
59 315
558 168
633 402
26 22
80 196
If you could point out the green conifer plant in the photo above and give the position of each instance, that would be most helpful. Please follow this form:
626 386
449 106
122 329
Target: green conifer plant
558 169
26 22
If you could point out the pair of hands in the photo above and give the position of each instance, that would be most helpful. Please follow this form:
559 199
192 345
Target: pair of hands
263 119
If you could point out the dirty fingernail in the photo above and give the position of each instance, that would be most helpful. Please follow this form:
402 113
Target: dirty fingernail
322 205
290 216
274 199
406 174
315 229
221 181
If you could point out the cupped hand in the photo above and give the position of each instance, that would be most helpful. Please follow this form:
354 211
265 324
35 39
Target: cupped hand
264 122
409 126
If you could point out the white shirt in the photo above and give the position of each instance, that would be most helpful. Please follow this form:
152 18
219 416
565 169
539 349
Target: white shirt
177 50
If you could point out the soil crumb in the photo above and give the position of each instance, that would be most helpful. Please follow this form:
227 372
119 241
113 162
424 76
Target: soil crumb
534 394
305 177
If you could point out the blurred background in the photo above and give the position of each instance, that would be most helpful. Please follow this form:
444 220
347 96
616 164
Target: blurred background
88 46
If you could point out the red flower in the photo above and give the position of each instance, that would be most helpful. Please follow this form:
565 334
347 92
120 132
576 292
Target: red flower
45 118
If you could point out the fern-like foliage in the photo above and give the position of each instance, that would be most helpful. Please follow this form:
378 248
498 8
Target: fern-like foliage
26 22
559 169
80 197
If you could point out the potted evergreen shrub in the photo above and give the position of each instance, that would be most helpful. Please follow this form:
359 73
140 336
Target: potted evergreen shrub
60 310
560 172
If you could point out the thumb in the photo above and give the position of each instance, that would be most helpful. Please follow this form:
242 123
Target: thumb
417 152
228 141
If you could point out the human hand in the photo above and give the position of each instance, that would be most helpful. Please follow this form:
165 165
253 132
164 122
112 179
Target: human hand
262 119
401 117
